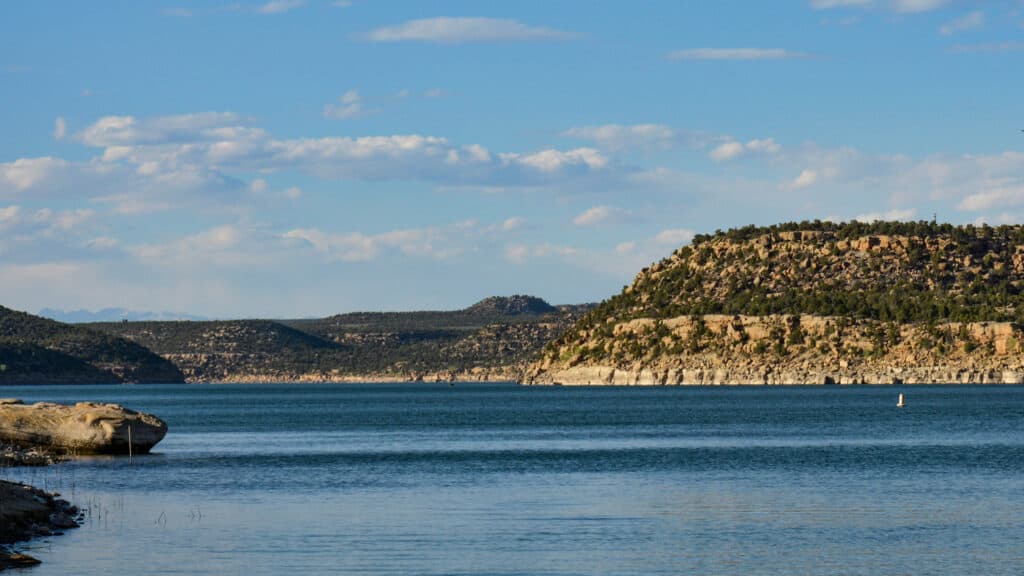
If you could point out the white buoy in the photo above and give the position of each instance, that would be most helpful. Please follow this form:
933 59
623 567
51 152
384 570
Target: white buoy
899 403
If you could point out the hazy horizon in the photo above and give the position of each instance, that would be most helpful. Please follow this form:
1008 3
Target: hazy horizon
300 158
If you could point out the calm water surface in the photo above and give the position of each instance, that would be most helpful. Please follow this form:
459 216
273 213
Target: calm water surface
500 479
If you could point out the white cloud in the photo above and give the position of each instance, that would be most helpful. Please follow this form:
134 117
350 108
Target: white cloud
279 6
130 204
523 253
727 151
60 128
29 226
447 30
970 21
513 223
436 243
917 6
676 237
128 130
765 146
735 54
103 243
898 6
999 196
888 216
625 247
594 215
215 245
433 93
829 4
806 178
618 137
25 173
258 185
554 160
293 193
732 149
351 106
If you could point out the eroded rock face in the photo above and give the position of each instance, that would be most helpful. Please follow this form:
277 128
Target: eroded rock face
85 428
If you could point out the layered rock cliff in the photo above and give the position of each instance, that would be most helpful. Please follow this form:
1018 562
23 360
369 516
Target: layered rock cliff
810 303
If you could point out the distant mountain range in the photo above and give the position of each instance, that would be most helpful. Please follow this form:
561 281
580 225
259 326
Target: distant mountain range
112 315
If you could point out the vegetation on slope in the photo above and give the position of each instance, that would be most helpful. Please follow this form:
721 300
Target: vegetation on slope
38 350
872 279
493 337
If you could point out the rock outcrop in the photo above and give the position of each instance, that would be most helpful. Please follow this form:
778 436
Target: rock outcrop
85 428
829 304
27 512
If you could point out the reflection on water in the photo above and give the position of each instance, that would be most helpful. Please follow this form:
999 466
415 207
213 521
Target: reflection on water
497 479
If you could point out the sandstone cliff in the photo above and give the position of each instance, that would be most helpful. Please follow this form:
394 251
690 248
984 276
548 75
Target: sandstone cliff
814 303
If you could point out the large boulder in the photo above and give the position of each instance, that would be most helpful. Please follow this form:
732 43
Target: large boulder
85 428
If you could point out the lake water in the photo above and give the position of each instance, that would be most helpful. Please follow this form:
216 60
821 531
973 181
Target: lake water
501 479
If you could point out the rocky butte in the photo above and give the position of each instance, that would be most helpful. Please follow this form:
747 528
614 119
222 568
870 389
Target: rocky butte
810 303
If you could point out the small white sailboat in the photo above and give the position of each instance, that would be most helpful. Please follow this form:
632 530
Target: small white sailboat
900 403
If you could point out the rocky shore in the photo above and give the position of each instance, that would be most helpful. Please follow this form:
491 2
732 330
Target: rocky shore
27 512
778 350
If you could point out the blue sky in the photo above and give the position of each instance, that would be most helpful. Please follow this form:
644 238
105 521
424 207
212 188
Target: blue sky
303 158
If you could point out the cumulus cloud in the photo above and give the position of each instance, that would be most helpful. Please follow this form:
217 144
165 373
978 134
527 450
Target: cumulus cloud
60 128
103 243
594 215
447 30
674 237
215 245
513 223
735 54
279 6
727 151
888 216
555 160
806 178
733 149
21 226
1001 196
829 4
899 6
350 105
26 173
917 6
618 137
129 130
970 21
142 159
523 253
432 242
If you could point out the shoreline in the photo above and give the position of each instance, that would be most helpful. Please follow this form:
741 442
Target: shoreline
26 513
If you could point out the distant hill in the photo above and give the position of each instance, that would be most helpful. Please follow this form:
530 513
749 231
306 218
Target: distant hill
36 350
511 306
111 315
811 302
492 339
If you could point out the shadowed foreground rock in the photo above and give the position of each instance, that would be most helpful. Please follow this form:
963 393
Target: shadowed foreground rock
85 428
27 512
